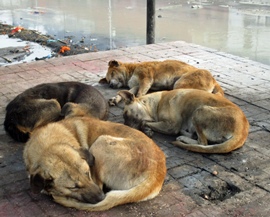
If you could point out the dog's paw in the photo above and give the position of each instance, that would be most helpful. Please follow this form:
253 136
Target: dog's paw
186 140
112 101
43 191
148 131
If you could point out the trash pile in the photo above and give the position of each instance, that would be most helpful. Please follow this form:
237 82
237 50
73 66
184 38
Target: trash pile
58 47
13 50
11 54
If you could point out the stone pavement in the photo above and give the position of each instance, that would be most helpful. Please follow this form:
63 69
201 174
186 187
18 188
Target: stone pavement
242 184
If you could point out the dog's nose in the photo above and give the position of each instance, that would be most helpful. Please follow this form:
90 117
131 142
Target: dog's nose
100 197
93 199
93 195
111 85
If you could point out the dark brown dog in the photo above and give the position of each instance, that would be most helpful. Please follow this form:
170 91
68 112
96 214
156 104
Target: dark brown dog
51 102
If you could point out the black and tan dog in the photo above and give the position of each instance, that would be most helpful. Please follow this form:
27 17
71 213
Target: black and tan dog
51 102
208 123
166 75
73 160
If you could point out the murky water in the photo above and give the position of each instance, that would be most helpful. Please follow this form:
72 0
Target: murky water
227 26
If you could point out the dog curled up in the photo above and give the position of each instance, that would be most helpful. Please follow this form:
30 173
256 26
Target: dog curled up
206 122
75 158
166 75
51 102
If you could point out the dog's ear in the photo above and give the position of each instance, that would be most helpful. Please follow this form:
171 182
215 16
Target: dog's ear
86 155
127 96
114 63
66 109
37 183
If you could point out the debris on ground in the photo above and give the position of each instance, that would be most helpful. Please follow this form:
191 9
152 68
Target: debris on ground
11 54
63 49
46 57
17 29
37 12
44 40
13 50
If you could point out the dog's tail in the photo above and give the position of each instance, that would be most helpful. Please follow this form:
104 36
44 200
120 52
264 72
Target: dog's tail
225 147
148 189
14 132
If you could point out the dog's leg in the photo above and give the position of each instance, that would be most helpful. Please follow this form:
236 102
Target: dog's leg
199 79
134 89
201 137
47 110
213 124
148 131
218 90
145 86
162 127
185 133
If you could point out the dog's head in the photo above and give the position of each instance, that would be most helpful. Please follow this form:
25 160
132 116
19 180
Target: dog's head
62 171
135 110
116 75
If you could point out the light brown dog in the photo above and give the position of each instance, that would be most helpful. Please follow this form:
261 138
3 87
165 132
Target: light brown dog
208 123
75 159
166 75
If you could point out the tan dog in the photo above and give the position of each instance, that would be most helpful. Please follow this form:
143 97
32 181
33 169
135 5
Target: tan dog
74 159
209 123
166 75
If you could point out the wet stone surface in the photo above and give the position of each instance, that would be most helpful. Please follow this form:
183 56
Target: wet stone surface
233 184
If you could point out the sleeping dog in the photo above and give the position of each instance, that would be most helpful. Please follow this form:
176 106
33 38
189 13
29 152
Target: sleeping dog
51 102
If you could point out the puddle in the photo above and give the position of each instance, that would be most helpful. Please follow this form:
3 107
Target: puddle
13 51
228 26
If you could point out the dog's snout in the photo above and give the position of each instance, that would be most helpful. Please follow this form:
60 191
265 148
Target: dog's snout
100 197
111 85
94 196
93 199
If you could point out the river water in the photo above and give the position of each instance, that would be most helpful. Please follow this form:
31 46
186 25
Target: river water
228 26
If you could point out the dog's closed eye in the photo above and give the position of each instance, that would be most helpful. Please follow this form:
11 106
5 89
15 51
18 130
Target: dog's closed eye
88 174
76 186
